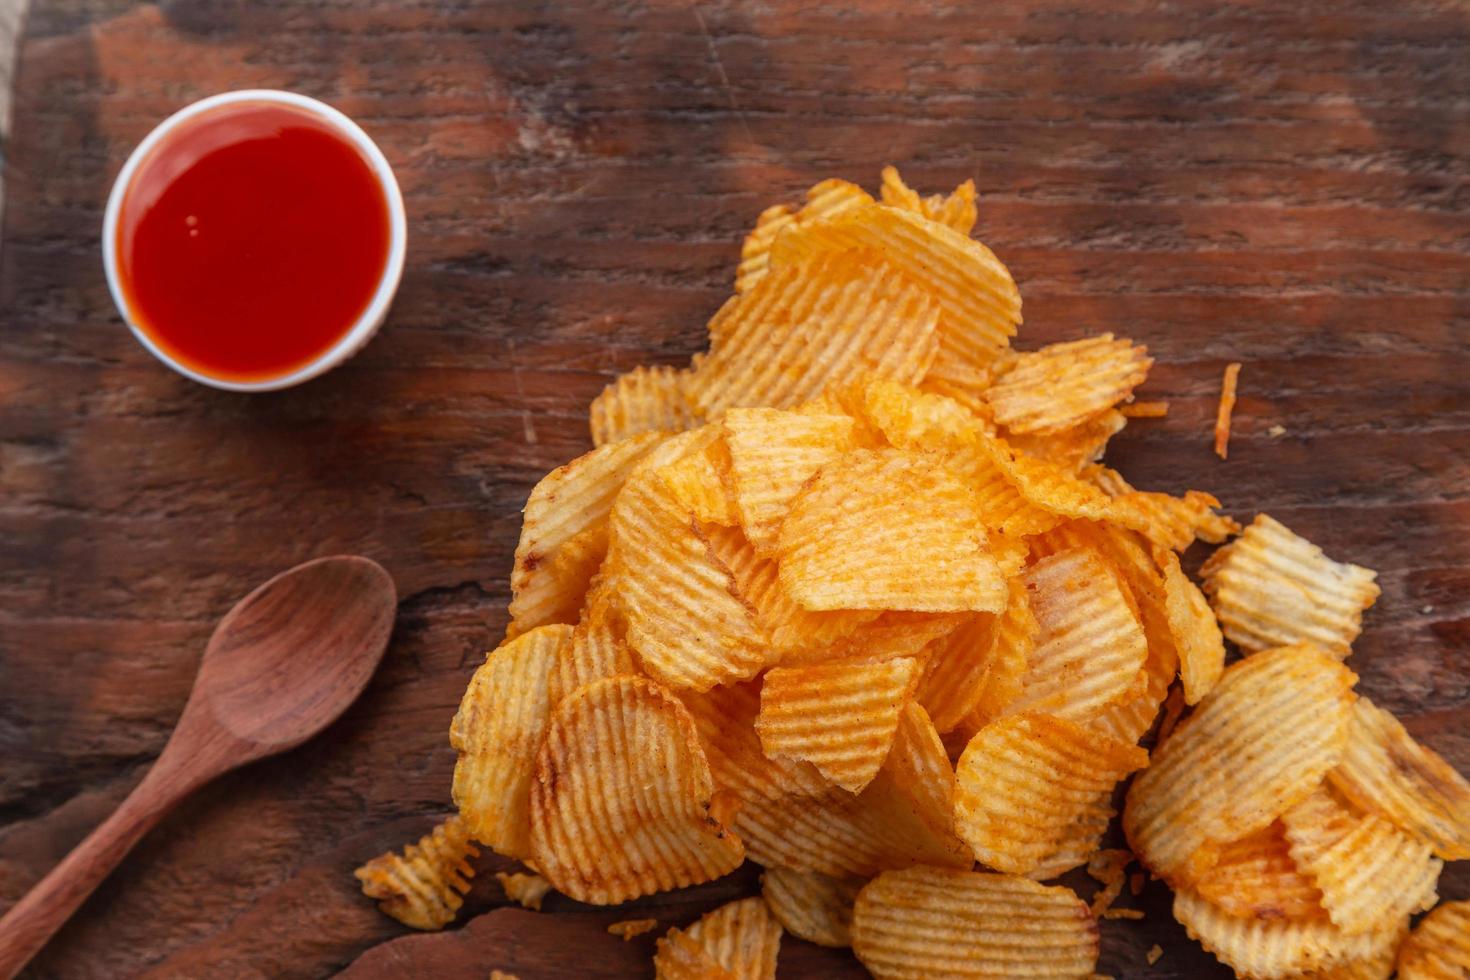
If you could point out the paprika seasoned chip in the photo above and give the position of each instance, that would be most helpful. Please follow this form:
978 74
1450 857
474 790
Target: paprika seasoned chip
1192 626
824 200
645 399
623 804
1272 588
921 923
1255 878
957 210
525 890
1064 385
811 906
1439 946
1257 744
422 888
1384 771
742 937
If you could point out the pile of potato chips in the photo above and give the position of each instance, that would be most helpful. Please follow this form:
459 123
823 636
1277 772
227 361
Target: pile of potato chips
851 597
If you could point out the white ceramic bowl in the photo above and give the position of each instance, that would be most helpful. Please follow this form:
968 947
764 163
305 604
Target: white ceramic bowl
366 325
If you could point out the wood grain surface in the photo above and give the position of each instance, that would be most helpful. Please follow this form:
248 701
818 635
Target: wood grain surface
1281 184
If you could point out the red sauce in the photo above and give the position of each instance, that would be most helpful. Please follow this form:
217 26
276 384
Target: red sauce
250 240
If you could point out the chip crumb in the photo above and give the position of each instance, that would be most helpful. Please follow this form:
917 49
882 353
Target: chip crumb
1136 881
1145 410
1227 405
1425 610
526 889
1155 953
1107 868
628 928
502 975
1123 914
1276 431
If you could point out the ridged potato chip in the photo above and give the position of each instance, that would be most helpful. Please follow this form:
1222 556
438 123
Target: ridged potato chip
895 634
645 399
1369 871
956 210
699 483
840 717
681 957
568 510
623 804
821 321
1062 386
1078 841
1439 946
1255 878
725 719
916 786
422 888
1273 949
742 937
1174 522
1256 745
496 731
1074 448
1026 779
922 923
1384 771
811 906
1377 965
824 200
683 620
1090 649
526 890
908 418
630 929
772 455
841 546
1013 636
1272 588
597 648
1197 638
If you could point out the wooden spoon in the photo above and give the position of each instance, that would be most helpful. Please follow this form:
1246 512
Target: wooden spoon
280 667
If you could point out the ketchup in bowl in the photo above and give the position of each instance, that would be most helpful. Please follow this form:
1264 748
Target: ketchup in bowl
252 238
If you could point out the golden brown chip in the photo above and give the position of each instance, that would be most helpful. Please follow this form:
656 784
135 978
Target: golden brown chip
811 906
564 534
742 937
645 399
1062 386
888 529
979 304
623 803
1439 946
683 620
1146 410
916 787
922 923
1025 780
908 418
1012 638
725 719
422 888
824 200
1072 448
630 929
523 889
840 717
1079 841
1196 635
772 455
957 210
597 648
1271 588
1257 744
1256 878
497 730
1384 771
699 483
1174 522
681 957
810 324
1377 965
1272 949
1091 648
1369 871
1227 406
894 634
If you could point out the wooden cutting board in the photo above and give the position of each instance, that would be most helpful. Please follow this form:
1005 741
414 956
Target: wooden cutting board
1280 184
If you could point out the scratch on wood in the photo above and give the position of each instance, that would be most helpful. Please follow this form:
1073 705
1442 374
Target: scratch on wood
714 54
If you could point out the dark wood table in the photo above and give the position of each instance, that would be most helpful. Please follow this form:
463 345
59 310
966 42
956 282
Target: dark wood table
1281 184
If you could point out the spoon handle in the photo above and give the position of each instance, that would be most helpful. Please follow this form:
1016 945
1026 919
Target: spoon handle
46 907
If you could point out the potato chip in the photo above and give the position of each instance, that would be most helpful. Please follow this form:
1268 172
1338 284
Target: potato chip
1227 406
1025 779
916 784
909 418
1377 965
1255 878
772 455
1075 447
818 322
1256 745
841 546
1078 841
681 957
1012 638
597 648
1369 871
645 399
528 891
725 719
1439 946
825 200
1197 638
811 906
921 923
422 888
840 717
1271 588
957 210
1384 771
956 671
1146 410
1174 522
742 937
687 627
496 731
894 634
1090 649
1268 949
630 929
699 483
1062 386
567 511
623 804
